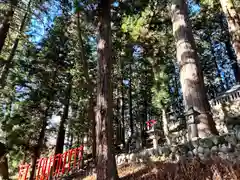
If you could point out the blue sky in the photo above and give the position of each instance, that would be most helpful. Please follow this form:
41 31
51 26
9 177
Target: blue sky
116 3
41 21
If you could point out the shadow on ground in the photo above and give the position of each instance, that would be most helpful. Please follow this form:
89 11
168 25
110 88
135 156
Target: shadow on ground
190 169
193 169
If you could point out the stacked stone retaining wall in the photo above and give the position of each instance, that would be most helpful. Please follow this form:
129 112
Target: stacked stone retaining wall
226 146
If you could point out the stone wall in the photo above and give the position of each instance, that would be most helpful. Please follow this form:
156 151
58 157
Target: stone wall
226 146
226 116
226 110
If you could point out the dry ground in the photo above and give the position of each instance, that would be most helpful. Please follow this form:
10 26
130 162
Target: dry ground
194 169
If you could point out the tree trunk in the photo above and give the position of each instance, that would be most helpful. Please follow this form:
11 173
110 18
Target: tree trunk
68 134
91 117
106 163
89 84
123 105
118 118
71 141
144 120
3 162
233 20
61 130
165 126
191 76
9 62
130 99
4 168
5 24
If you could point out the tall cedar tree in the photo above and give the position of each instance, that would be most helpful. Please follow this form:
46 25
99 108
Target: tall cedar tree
191 76
89 85
106 164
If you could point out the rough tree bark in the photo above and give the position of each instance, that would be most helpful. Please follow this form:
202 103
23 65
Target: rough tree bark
165 126
106 164
233 20
91 117
191 76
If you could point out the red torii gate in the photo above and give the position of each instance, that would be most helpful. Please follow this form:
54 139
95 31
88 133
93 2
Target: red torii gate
54 166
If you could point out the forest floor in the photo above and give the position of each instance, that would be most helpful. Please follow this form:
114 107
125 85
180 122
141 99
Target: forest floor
192 169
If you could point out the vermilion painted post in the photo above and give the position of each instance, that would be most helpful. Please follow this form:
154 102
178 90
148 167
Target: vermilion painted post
39 166
42 168
45 160
70 159
59 162
26 172
23 171
64 155
50 164
56 161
